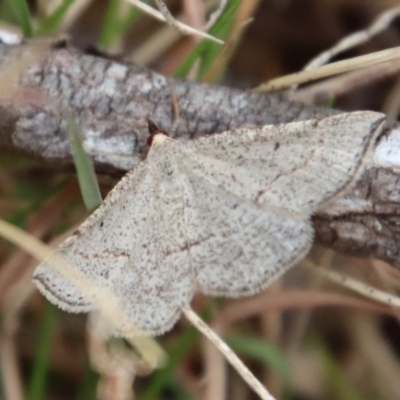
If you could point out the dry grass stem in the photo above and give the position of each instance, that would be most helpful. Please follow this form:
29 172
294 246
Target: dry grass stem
233 359
357 286
381 23
216 374
187 30
169 18
160 42
16 287
349 82
244 15
216 14
40 225
336 68
104 302
293 300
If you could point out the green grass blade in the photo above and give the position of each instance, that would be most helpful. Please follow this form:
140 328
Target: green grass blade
265 353
38 380
224 26
21 12
207 51
52 23
84 168
114 26
108 33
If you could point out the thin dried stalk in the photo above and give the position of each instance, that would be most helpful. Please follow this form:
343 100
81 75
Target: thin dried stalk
356 286
234 360
381 23
183 28
336 68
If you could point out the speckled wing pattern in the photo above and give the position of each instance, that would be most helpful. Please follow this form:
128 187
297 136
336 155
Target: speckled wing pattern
224 214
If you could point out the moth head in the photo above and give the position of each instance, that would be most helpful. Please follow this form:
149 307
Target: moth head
155 133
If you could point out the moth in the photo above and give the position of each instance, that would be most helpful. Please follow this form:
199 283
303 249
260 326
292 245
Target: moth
224 215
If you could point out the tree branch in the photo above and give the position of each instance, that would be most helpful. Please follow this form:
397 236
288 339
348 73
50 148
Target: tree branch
113 101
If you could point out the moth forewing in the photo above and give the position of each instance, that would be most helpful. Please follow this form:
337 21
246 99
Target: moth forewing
225 214
295 166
